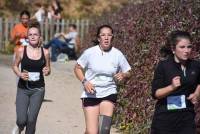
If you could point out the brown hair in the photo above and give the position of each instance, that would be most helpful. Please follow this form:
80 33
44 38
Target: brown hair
35 24
172 40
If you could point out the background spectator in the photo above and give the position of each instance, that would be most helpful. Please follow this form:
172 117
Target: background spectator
70 45
19 31
57 9
40 13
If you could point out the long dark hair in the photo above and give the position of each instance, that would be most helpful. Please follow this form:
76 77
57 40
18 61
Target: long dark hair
171 42
59 9
96 42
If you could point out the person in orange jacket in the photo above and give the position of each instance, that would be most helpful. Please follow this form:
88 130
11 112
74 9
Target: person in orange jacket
19 31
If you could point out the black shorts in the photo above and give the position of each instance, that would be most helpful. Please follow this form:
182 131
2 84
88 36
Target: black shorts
174 123
96 101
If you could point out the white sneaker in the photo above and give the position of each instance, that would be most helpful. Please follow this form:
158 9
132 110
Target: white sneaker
16 130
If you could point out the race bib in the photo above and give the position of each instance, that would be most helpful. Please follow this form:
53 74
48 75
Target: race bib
24 42
33 76
176 102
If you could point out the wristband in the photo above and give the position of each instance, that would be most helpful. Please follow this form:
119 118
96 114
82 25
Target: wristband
84 81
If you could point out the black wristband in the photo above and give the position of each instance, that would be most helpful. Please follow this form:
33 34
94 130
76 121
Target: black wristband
83 81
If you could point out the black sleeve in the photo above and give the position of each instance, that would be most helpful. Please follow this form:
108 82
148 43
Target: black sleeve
158 79
198 68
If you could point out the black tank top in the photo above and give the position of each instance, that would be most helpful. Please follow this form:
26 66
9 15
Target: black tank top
31 66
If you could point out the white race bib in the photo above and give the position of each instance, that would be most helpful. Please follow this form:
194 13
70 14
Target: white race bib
24 42
176 102
33 76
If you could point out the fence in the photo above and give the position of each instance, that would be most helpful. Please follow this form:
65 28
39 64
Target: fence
48 29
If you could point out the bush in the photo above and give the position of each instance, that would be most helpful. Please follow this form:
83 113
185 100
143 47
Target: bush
140 31
9 48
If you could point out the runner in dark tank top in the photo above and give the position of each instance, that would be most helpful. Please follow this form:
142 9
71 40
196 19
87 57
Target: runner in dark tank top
35 63
32 66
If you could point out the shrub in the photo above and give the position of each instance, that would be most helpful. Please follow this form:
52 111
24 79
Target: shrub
9 48
140 31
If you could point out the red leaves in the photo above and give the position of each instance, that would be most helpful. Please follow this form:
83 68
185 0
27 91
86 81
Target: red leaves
140 31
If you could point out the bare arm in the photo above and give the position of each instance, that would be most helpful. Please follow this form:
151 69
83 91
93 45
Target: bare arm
33 17
163 92
123 76
78 70
15 66
195 97
47 69
16 62
89 87
57 16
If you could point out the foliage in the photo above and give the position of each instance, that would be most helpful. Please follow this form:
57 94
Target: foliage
140 30
73 9
9 48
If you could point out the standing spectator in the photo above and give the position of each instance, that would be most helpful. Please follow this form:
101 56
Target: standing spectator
70 45
19 31
50 13
57 9
98 69
54 15
176 86
35 64
40 13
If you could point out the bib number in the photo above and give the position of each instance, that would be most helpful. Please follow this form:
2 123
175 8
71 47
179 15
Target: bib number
33 76
176 102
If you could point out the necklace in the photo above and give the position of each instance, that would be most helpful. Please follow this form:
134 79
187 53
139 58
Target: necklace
101 50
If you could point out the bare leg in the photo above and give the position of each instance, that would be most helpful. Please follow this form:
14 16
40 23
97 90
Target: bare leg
106 108
91 119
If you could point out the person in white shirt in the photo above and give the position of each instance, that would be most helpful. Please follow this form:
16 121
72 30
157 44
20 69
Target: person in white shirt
99 69
40 13
70 45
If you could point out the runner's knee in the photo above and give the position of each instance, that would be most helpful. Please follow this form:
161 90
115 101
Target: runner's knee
91 131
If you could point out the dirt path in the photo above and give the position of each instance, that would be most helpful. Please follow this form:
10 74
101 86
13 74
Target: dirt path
61 112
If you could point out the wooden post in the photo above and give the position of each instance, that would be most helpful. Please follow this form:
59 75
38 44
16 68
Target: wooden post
82 29
42 28
87 26
57 26
78 25
46 37
63 26
52 27
67 24
1 33
6 31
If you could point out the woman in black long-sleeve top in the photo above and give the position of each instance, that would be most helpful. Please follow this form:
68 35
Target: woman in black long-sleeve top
176 86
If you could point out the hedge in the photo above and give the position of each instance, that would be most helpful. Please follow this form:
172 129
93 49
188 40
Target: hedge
140 30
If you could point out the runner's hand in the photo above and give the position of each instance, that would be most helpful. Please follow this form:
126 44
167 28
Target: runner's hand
194 98
24 75
89 87
176 82
119 76
46 71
